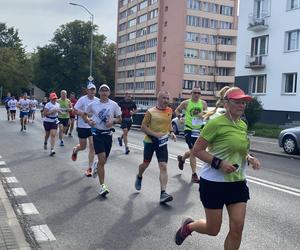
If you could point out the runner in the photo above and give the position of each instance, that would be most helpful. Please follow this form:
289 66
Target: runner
128 108
5 101
42 104
33 105
24 106
157 126
12 104
194 108
223 180
83 129
51 111
64 116
104 114
72 114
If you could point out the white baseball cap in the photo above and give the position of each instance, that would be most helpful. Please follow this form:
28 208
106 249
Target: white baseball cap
104 86
91 86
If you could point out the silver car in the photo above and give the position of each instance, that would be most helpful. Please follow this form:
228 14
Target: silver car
178 125
289 140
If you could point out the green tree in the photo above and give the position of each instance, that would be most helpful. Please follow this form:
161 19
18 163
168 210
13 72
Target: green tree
14 66
253 112
65 63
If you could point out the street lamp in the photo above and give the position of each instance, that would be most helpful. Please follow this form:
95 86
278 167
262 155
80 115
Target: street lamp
91 53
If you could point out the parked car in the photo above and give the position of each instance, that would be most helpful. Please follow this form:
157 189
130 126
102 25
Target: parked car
178 125
289 140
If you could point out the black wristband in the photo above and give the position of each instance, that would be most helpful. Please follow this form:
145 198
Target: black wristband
216 162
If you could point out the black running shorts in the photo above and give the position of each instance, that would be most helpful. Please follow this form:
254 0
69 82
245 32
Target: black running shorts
161 152
214 195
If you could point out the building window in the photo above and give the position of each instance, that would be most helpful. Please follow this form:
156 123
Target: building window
226 10
141 45
225 25
140 59
165 38
152 2
152 43
141 32
293 4
131 35
258 84
210 86
130 48
190 69
289 83
123 14
188 84
259 46
139 72
152 28
132 10
292 40
143 5
142 18
153 14
166 8
150 85
151 57
163 69
190 53
201 85
150 71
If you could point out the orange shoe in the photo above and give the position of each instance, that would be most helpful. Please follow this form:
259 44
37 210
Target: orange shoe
88 172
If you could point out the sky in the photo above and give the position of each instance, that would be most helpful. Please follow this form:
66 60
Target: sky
37 20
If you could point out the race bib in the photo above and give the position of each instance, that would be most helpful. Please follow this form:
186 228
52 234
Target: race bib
162 141
197 121
195 133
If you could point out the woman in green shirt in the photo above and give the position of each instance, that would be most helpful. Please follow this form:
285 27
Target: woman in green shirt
222 178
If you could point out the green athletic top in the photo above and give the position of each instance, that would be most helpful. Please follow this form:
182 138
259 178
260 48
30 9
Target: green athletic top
64 105
192 120
229 142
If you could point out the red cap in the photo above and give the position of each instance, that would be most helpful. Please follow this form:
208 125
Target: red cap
238 94
52 96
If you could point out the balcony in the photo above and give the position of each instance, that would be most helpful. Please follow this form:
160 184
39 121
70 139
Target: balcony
255 62
258 22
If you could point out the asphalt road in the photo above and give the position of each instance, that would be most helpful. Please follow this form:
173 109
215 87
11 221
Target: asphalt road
68 203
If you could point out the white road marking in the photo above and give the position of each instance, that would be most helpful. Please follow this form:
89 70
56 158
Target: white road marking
28 208
261 182
42 233
2 163
18 192
5 170
11 180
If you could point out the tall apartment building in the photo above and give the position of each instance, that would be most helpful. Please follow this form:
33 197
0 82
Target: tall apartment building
175 45
268 56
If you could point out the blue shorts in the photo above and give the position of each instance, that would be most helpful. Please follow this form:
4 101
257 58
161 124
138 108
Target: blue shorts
23 114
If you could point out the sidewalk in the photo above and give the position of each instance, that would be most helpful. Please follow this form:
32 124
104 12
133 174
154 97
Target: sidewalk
11 233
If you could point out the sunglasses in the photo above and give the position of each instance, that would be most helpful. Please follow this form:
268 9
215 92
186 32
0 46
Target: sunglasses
197 93
238 102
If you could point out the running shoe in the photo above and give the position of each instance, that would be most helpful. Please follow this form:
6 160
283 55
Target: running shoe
61 143
120 141
183 231
164 197
103 190
45 145
21 129
138 183
127 151
95 169
195 178
180 162
24 127
74 155
88 172
52 152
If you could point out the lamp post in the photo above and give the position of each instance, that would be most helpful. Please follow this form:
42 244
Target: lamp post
91 53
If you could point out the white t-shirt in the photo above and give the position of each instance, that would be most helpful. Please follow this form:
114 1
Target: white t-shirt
24 105
33 104
81 105
12 104
103 111
51 107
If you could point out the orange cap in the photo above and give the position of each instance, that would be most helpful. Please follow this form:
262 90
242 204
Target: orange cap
53 96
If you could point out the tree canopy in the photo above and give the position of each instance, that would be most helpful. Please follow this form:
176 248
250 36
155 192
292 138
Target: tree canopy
65 62
15 73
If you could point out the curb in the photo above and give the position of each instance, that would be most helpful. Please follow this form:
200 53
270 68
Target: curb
294 157
13 221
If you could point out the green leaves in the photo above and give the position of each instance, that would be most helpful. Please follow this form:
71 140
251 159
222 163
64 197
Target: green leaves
65 63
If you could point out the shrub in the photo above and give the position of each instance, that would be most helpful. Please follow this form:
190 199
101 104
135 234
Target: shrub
253 112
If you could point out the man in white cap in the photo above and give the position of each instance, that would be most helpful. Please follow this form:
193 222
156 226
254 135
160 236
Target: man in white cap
101 116
84 129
